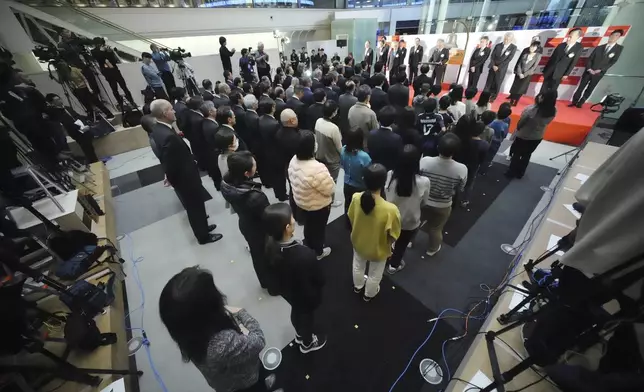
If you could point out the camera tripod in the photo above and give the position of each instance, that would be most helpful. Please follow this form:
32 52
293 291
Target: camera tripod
189 82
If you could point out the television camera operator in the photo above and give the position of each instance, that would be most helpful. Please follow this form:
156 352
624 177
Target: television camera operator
160 56
107 60
184 71
73 50
246 65
73 77
152 77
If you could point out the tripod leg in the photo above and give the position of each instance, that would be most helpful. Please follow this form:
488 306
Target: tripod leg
565 153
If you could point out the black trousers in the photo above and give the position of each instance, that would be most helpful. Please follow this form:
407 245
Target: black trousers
115 79
168 80
438 74
193 203
400 246
91 79
473 79
256 242
413 73
89 101
349 191
315 228
264 72
159 93
303 320
493 82
85 142
521 151
550 83
586 86
279 181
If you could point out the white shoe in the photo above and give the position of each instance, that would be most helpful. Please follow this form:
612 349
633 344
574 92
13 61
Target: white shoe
409 245
391 270
336 203
508 158
325 252
430 253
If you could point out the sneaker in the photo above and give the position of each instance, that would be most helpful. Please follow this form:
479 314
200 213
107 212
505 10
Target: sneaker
409 245
325 252
337 203
298 339
315 345
430 253
392 270
367 299
357 290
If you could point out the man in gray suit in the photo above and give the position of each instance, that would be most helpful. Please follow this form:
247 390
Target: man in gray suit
360 115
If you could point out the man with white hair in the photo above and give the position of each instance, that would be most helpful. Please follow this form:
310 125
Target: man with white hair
251 123
316 81
261 61
288 140
500 58
439 59
181 170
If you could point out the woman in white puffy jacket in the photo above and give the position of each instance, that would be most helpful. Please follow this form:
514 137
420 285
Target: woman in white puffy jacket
312 188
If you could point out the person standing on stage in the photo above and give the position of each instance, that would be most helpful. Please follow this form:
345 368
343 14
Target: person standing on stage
181 171
368 56
439 59
478 59
225 55
382 55
602 58
563 59
161 58
500 58
526 67
415 59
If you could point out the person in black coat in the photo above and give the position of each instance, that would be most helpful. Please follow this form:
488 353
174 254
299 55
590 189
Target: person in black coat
225 55
421 79
562 61
251 124
181 170
315 111
268 127
237 106
299 279
280 104
193 133
345 102
221 98
405 127
383 144
382 53
398 93
57 112
295 103
415 59
208 90
329 84
379 98
209 127
478 59
600 60
368 57
378 71
439 59
248 201
500 58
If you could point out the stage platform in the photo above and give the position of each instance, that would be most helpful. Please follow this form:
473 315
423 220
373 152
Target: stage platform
570 126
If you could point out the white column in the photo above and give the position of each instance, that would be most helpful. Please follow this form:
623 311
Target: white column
442 15
613 13
429 16
14 38
480 26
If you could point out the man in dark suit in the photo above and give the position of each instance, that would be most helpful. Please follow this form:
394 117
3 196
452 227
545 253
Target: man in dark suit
500 58
379 98
398 93
288 139
562 61
192 131
307 91
209 128
329 83
345 102
422 79
268 127
208 93
382 53
237 106
295 103
221 98
396 59
181 170
439 60
225 55
280 104
368 57
315 111
600 60
251 121
478 59
415 58
288 78
383 144
378 70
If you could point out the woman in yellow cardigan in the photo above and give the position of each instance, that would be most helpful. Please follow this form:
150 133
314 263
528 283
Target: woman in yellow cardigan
375 226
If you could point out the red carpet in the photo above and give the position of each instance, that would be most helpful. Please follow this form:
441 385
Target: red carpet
570 126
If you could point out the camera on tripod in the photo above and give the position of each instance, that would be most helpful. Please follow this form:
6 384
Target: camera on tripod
178 54
46 54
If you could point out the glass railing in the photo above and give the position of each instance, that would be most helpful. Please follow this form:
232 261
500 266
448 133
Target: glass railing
187 3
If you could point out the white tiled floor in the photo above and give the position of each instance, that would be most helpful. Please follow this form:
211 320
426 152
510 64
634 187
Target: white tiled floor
131 161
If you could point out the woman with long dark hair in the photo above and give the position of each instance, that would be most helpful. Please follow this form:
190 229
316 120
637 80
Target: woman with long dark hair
483 103
221 341
408 190
298 276
375 226
353 159
530 130
247 200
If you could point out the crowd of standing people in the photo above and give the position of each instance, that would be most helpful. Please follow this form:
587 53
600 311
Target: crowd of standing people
404 165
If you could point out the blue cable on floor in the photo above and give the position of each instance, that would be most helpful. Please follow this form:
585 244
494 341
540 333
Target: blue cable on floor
146 341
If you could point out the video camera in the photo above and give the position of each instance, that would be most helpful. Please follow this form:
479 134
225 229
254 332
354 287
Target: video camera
46 54
178 54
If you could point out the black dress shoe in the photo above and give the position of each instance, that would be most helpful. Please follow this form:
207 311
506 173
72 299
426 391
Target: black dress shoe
571 104
579 105
211 228
210 239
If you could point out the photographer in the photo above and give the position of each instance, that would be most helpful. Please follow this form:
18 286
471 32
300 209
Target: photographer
152 77
261 59
187 74
74 78
225 55
107 61
71 47
246 66
57 112
161 58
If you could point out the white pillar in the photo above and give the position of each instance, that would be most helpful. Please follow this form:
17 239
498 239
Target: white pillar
613 13
14 38
480 26
429 16
442 15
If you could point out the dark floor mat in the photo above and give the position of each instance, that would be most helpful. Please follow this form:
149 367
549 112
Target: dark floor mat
369 344
486 189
